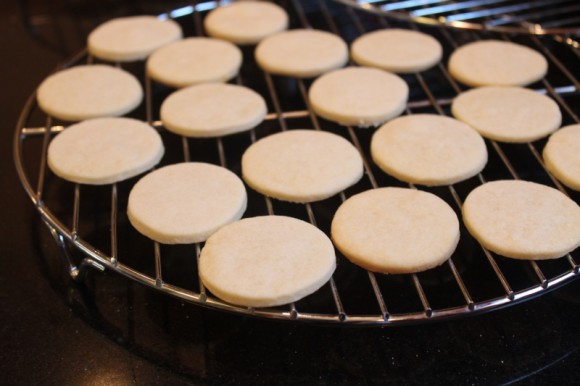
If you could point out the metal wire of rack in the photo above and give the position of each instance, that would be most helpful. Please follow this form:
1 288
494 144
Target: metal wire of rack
538 17
474 280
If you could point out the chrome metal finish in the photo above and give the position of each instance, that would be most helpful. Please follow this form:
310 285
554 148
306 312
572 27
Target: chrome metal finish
382 290
536 17
41 174
366 163
221 152
202 294
185 147
114 260
76 205
148 101
275 101
158 275
422 296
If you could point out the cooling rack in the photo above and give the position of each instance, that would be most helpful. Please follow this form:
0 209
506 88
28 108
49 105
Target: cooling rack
90 225
538 17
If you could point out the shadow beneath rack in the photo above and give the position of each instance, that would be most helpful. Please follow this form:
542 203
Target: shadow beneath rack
207 345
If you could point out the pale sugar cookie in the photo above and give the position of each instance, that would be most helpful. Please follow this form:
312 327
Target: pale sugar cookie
104 150
212 109
508 114
397 50
301 53
496 63
360 96
89 91
395 230
301 165
194 60
132 38
562 155
428 150
246 22
266 261
522 219
186 203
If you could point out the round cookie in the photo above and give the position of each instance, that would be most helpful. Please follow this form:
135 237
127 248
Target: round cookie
522 220
360 96
194 60
246 22
508 114
132 38
562 155
301 165
395 230
301 53
186 202
89 91
212 109
428 149
266 261
397 50
104 150
496 63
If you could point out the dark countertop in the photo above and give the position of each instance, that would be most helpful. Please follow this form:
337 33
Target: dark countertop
57 332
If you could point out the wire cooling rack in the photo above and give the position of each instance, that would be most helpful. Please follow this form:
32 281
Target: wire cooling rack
538 17
90 224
